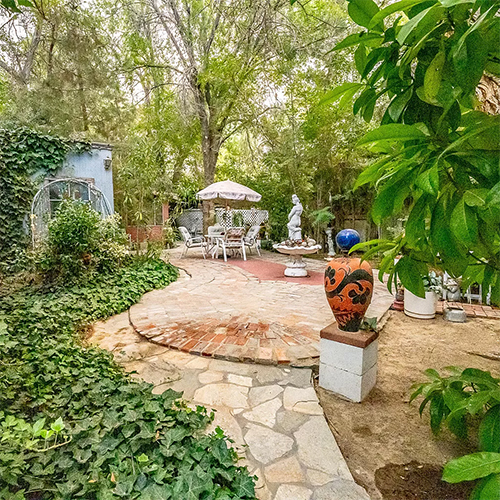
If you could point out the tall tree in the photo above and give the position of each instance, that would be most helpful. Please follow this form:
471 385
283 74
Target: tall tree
217 49
61 65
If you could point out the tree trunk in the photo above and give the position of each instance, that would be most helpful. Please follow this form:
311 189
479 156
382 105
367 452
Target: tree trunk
210 148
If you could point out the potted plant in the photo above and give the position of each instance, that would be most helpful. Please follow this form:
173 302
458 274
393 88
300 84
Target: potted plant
420 307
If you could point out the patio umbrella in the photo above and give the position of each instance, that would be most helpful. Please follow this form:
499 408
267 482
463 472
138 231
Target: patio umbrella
228 190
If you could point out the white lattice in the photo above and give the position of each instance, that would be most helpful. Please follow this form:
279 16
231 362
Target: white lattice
192 219
239 218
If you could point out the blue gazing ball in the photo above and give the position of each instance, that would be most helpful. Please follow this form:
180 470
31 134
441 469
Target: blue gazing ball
347 238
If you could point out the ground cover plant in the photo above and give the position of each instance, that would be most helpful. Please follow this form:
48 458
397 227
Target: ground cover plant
72 423
467 402
75 426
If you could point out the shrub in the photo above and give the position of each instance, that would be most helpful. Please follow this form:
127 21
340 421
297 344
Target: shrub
80 241
467 399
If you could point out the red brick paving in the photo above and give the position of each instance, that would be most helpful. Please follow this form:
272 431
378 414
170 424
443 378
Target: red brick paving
255 315
272 271
237 340
471 310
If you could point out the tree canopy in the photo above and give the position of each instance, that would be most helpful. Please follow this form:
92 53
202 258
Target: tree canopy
187 91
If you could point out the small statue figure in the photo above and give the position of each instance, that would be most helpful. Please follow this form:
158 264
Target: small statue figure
294 231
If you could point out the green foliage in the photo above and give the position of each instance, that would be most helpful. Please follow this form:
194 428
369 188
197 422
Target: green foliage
15 5
322 217
439 153
63 65
433 283
79 241
24 155
459 401
111 436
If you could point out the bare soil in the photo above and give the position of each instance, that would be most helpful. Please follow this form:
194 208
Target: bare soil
390 450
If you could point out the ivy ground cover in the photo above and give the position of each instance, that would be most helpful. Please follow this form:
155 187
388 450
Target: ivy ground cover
74 425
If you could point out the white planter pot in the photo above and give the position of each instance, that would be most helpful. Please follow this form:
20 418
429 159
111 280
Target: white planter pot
419 308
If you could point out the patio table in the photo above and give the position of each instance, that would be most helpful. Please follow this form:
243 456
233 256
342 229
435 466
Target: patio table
235 242
213 242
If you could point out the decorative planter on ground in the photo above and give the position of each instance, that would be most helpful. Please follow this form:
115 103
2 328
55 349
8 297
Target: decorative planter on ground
418 307
349 288
296 267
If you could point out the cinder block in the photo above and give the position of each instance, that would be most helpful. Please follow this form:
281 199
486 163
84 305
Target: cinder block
356 360
347 384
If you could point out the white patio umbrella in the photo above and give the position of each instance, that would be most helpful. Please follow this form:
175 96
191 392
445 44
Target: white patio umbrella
228 190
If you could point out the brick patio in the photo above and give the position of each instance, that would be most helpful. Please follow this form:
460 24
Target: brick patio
472 310
226 312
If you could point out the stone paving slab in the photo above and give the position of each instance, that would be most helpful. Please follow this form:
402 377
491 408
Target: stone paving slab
222 311
271 413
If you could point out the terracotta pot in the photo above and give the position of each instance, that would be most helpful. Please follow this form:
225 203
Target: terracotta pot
349 288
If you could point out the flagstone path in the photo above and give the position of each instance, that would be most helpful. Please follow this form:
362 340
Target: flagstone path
271 413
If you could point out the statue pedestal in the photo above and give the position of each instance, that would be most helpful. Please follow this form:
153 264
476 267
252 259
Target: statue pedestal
348 362
296 267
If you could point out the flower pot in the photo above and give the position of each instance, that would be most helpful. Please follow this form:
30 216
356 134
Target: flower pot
349 288
417 307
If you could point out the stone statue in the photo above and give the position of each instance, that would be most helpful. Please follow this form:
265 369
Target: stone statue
294 231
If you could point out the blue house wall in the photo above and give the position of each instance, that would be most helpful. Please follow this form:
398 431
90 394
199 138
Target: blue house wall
91 165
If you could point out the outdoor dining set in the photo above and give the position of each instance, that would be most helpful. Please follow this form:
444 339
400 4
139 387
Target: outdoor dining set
228 241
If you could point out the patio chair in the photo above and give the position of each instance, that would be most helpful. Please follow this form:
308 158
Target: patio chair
216 230
192 242
233 240
252 238
215 233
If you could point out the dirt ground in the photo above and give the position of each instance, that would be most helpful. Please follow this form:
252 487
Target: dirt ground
385 431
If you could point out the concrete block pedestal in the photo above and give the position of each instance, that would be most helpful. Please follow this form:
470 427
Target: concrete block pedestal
348 362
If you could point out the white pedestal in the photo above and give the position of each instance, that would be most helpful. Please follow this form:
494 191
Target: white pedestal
296 267
348 362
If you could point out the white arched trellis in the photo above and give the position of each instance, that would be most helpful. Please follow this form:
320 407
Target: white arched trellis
52 193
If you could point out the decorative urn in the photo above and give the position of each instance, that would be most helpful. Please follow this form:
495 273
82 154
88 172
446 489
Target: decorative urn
349 288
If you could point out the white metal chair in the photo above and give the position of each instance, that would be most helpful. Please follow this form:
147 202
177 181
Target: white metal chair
233 240
252 238
215 233
192 242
